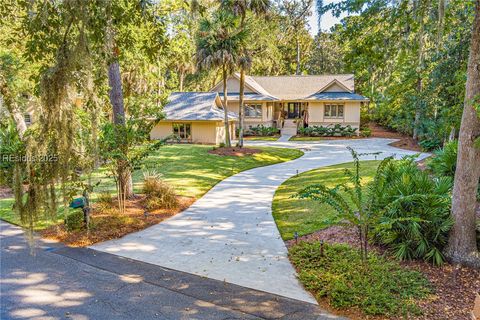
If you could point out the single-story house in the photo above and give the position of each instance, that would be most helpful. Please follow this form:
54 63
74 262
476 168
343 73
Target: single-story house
278 101
194 117
321 99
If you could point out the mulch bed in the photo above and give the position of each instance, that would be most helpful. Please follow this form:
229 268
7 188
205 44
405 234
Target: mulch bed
233 151
109 223
404 141
454 286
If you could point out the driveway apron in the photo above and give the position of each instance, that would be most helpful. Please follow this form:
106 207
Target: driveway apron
229 234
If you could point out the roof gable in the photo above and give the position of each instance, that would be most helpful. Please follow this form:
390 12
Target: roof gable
335 86
296 87
300 87
251 86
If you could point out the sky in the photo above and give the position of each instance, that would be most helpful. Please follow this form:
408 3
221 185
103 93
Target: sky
327 20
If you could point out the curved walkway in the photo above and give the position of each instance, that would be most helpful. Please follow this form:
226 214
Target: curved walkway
229 234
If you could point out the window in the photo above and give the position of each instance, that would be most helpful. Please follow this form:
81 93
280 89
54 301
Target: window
253 110
334 111
183 130
28 118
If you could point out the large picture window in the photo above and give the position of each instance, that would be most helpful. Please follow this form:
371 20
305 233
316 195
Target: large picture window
334 111
183 130
253 110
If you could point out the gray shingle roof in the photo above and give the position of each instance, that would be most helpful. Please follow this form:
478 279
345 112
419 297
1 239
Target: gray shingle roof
249 96
299 87
336 96
194 106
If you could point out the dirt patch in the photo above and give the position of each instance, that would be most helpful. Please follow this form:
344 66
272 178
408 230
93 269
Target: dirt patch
333 234
236 152
404 141
5 192
454 287
108 223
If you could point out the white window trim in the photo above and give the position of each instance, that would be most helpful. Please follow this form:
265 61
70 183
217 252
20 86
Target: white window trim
336 106
255 105
184 125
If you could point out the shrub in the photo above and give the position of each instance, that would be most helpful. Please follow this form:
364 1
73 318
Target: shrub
365 119
381 287
320 131
430 144
348 202
105 200
444 161
74 220
415 208
366 132
158 193
262 130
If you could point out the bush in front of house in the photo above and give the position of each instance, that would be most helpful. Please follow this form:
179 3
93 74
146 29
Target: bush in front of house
379 287
404 208
366 132
74 220
261 130
158 193
415 210
329 131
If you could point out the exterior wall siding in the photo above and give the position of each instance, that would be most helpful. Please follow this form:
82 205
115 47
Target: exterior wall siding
351 113
161 130
208 132
204 132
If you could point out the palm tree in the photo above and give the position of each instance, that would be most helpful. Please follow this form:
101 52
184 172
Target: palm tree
219 45
241 8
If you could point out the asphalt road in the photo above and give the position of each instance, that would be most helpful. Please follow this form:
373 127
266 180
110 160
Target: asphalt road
55 282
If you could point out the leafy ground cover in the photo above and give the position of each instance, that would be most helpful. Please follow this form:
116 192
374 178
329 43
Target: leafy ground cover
379 287
452 287
306 216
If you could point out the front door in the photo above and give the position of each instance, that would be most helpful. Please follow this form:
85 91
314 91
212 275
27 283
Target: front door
293 110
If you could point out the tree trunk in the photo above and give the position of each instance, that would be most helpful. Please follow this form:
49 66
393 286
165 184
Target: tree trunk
462 247
116 99
419 104
17 116
182 77
228 144
241 115
298 57
19 121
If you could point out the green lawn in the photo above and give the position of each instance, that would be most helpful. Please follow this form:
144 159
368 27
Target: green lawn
190 169
306 216
262 138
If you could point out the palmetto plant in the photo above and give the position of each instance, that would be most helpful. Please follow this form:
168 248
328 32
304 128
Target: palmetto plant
444 161
415 210
348 201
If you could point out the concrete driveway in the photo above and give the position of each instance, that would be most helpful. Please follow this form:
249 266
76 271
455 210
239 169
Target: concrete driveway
57 282
229 234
